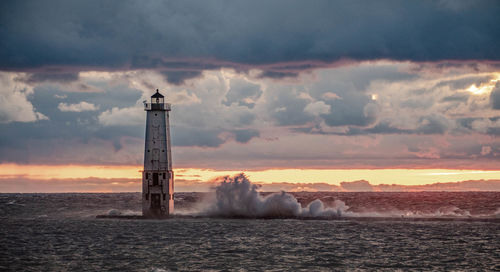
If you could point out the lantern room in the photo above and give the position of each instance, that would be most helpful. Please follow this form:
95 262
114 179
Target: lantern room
157 103
157 98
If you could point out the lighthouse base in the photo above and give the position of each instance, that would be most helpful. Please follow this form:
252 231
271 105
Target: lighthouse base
157 193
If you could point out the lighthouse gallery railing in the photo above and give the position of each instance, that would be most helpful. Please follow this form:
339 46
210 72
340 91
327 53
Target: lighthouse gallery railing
157 106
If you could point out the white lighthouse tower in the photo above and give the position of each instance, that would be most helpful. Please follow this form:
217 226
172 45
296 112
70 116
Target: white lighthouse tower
157 177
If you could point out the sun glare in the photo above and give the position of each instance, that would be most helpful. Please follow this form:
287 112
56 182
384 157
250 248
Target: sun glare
483 88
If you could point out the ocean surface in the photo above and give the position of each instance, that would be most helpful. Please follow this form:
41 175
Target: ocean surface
249 231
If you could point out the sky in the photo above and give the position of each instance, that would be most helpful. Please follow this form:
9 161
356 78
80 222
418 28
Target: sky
323 95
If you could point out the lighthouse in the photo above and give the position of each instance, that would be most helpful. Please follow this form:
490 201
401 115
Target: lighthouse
157 177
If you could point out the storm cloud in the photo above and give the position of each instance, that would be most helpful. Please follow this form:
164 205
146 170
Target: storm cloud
253 84
241 34
495 97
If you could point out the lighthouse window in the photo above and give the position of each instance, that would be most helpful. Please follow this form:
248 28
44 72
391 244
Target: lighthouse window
148 150
156 114
155 179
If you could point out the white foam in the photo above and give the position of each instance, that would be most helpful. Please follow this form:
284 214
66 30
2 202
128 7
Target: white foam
115 212
238 197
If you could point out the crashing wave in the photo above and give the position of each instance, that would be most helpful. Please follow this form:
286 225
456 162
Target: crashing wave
238 197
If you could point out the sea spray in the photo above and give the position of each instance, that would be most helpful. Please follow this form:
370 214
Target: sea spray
238 197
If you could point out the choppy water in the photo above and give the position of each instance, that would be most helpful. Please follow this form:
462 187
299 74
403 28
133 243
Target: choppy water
59 232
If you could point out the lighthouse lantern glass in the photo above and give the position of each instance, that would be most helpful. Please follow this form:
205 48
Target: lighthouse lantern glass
156 100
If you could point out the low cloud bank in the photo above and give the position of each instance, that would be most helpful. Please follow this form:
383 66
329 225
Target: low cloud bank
19 184
352 186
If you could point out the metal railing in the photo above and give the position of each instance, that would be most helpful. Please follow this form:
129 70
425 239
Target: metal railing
157 106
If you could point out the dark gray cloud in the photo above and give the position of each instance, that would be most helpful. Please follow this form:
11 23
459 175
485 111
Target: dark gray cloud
206 137
456 98
287 109
246 118
178 77
494 131
190 136
245 135
352 109
342 95
427 125
466 122
277 74
495 97
242 93
433 124
346 92
465 82
48 76
64 138
131 34
46 98
380 128
417 103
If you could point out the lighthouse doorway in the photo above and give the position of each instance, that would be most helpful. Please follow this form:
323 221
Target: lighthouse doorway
155 201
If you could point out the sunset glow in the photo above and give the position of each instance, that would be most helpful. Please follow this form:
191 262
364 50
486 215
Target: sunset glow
296 176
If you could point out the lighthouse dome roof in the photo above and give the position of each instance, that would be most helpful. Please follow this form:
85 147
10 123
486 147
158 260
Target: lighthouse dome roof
157 95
